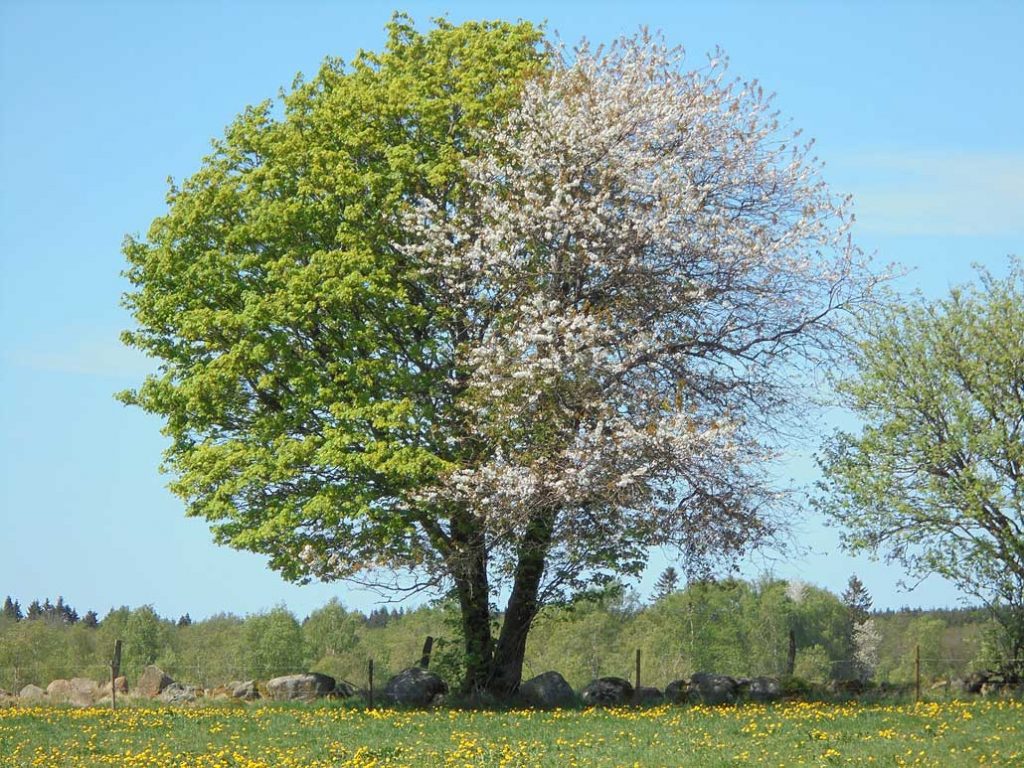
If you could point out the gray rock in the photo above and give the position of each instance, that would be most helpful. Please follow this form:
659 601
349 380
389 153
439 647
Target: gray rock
851 687
152 682
974 682
676 691
304 687
78 691
32 693
120 685
648 696
246 691
343 690
706 688
764 689
59 691
607 692
176 693
547 691
414 687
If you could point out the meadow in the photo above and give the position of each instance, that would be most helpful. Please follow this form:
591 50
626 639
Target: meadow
980 732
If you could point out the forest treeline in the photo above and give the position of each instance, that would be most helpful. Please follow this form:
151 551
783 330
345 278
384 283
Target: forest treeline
734 627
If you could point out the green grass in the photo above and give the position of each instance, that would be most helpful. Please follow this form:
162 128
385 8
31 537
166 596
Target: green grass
318 736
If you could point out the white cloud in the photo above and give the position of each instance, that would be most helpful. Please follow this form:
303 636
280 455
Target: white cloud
934 193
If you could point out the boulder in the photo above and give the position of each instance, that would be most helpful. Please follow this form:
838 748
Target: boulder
607 692
676 691
547 691
59 691
120 685
78 691
304 687
152 682
32 693
84 692
764 689
343 690
648 696
176 693
706 688
414 687
974 682
245 691
851 687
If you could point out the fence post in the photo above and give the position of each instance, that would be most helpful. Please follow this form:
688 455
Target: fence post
917 673
428 645
115 670
370 697
791 655
637 687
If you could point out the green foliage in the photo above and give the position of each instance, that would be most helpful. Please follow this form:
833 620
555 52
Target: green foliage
330 631
273 644
732 627
812 664
933 479
301 385
144 636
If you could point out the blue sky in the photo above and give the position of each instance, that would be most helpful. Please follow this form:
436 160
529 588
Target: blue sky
916 108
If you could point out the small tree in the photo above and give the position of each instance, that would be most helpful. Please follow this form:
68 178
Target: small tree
857 600
273 644
934 479
11 610
667 583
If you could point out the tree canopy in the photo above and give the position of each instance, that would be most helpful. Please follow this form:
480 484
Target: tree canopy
491 313
934 477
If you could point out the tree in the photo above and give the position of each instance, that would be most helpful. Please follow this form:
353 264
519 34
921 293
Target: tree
185 620
143 639
11 609
329 631
91 620
934 478
35 610
857 600
667 583
501 337
273 644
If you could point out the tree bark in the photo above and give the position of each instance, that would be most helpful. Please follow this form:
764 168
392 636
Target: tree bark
522 608
468 564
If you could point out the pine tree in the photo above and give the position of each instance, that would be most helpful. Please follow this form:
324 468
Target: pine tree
11 609
667 583
857 600
91 620
185 621
35 610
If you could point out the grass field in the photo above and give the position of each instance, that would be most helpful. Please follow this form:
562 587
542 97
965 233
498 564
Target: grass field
318 736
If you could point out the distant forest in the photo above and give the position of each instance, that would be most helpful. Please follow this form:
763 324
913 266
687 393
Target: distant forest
733 627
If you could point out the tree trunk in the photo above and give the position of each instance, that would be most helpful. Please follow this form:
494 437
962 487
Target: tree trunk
473 590
522 608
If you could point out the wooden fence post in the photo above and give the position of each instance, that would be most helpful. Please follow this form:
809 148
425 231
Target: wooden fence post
637 687
115 671
791 655
917 673
370 692
428 645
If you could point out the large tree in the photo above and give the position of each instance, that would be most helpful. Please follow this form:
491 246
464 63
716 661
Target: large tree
497 318
933 479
